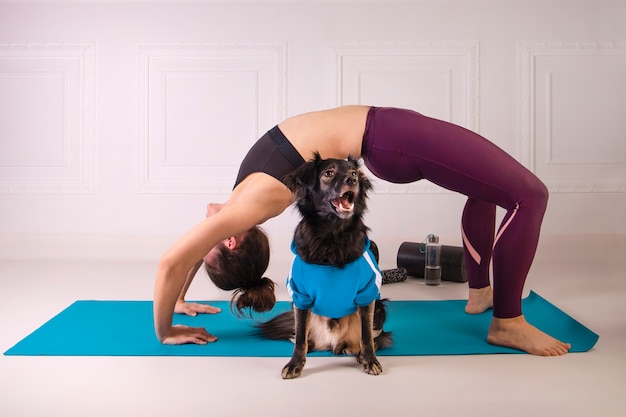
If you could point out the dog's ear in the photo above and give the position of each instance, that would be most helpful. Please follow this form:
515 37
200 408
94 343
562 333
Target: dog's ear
303 179
364 183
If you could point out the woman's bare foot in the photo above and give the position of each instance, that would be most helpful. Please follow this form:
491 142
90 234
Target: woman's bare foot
479 300
517 333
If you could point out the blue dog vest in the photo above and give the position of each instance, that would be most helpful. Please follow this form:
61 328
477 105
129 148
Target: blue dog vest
331 291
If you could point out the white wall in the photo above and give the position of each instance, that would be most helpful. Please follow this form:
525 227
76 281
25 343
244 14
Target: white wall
120 120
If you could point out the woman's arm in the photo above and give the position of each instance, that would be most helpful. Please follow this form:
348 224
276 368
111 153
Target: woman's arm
258 198
192 309
172 273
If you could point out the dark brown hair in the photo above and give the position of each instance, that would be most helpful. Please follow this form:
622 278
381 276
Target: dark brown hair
241 270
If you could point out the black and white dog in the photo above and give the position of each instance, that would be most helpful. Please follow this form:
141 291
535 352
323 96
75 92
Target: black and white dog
335 278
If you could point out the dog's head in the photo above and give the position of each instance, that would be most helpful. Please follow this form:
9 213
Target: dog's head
329 188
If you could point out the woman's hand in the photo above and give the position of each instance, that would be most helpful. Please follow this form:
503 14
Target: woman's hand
193 309
213 208
180 334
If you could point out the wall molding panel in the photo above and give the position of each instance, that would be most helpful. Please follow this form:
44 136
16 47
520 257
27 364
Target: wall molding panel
48 118
439 78
574 145
187 95
125 118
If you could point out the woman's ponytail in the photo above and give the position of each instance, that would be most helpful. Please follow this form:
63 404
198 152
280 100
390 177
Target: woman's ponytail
259 298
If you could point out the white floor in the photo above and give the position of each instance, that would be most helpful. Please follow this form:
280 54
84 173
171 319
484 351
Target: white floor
586 278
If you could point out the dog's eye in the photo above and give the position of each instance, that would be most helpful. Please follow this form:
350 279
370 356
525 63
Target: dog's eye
329 173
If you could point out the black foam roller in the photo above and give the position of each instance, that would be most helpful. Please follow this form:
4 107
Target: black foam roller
411 256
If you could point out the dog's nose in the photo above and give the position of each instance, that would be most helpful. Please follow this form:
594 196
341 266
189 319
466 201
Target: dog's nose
351 179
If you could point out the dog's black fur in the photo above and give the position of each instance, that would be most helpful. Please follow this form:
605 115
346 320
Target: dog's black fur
331 197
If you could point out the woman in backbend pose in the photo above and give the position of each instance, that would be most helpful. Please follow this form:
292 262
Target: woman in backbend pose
398 146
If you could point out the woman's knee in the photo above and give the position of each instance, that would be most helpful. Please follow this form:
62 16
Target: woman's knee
537 194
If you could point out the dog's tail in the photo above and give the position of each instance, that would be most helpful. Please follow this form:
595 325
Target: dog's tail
281 327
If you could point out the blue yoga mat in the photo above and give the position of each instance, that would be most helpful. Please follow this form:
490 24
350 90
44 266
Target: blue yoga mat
125 328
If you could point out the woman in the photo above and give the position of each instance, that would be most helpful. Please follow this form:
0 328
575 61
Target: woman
398 146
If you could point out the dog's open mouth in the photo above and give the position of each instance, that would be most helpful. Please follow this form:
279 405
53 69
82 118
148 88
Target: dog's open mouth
344 204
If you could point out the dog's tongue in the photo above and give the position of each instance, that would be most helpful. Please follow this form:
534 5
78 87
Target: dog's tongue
345 202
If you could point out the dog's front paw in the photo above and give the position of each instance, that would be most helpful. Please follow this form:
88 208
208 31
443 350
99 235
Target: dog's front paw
370 365
292 370
373 368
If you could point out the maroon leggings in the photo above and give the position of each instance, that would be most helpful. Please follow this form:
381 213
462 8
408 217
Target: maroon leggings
403 146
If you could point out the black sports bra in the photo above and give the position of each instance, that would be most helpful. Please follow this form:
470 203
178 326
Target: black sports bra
272 154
